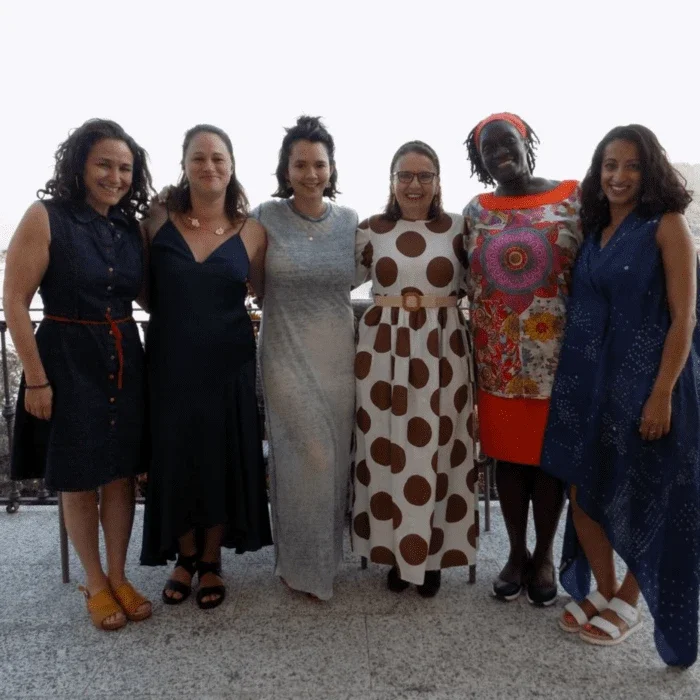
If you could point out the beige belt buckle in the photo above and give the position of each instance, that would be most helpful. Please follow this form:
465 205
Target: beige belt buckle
411 301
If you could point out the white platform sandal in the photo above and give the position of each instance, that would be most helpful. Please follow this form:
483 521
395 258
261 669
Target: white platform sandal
626 612
596 599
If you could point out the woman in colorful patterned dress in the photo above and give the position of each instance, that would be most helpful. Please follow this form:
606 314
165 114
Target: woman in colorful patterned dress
623 428
522 241
415 499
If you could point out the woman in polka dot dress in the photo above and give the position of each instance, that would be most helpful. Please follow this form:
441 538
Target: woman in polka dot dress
522 241
415 503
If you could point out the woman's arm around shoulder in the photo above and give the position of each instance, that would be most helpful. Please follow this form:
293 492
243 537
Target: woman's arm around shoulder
254 238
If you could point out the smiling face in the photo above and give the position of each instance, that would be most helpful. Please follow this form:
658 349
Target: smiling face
108 174
503 152
309 170
208 164
415 197
621 173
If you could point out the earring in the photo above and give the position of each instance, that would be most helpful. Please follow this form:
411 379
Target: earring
77 183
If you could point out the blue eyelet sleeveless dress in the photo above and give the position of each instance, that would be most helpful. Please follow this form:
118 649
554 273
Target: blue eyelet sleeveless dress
96 432
646 494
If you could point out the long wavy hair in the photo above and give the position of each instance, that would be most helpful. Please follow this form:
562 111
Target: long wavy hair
67 183
392 210
477 164
235 204
663 187
306 129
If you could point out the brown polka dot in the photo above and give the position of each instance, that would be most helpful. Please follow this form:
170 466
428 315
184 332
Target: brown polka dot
363 364
382 555
403 342
461 397
381 505
445 371
470 425
380 451
394 315
456 508
458 454
380 224
398 458
393 367
446 429
434 462
364 225
419 432
453 557
406 290
457 343
396 516
440 225
418 373
460 252
380 394
364 422
399 400
439 272
434 342
435 402
411 244
382 341
373 315
417 490
361 525
441 485
367 255
417 319
362 473
437 539
386 271
442 317
414 549
473 534
472 478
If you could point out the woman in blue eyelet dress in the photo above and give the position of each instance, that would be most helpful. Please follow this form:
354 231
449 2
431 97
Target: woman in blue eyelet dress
624 423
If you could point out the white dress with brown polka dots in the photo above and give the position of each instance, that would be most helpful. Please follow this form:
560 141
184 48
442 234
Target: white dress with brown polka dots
415 498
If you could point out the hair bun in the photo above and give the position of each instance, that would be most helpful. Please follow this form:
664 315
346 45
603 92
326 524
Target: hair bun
307 122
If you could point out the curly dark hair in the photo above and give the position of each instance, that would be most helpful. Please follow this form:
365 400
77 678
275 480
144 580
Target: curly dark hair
67 183
663 187
306 129
477 165
392 210
236 203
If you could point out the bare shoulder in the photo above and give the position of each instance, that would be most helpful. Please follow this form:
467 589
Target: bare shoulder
34 225
674 230
253 230
157 216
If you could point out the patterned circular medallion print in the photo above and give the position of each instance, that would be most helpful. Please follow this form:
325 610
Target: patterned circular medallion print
517 261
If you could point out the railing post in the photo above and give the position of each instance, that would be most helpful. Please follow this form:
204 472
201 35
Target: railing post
8 413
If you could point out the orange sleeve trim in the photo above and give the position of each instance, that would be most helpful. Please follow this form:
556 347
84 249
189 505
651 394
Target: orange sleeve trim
528 201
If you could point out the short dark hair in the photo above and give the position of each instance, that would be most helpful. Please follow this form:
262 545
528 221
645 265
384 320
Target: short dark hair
67 184
306 129
392 210
236 203
477 164
663 187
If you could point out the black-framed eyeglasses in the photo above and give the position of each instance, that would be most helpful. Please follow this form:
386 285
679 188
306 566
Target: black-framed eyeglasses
405 177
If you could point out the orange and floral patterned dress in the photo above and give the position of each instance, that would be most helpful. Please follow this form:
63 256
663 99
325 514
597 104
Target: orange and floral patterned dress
521 251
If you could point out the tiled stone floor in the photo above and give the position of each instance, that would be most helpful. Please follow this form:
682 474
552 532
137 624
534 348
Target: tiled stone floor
266 643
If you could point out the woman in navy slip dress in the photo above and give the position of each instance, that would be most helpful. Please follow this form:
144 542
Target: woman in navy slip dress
207 480
623 424
81 403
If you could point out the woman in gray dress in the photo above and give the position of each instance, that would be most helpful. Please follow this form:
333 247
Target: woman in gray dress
306 358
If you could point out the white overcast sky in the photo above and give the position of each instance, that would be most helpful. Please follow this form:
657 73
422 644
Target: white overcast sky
379 72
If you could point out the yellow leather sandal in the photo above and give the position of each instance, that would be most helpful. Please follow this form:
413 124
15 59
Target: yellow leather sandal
131 600
101 606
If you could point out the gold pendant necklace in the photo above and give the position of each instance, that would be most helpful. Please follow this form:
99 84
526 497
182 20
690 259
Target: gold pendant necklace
194 223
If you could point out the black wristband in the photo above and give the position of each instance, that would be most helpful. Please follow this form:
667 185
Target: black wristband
37 386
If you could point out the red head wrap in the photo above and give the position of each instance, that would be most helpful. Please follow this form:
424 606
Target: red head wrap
513 119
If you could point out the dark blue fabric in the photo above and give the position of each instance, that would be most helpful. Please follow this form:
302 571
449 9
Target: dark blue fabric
207 465
96 433
645 494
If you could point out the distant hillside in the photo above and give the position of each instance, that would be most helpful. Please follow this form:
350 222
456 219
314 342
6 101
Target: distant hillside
692 174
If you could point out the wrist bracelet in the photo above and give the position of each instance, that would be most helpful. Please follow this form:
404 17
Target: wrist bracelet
37 386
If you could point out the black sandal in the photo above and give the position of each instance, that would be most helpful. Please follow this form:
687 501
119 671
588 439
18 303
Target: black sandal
209 567
189 564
